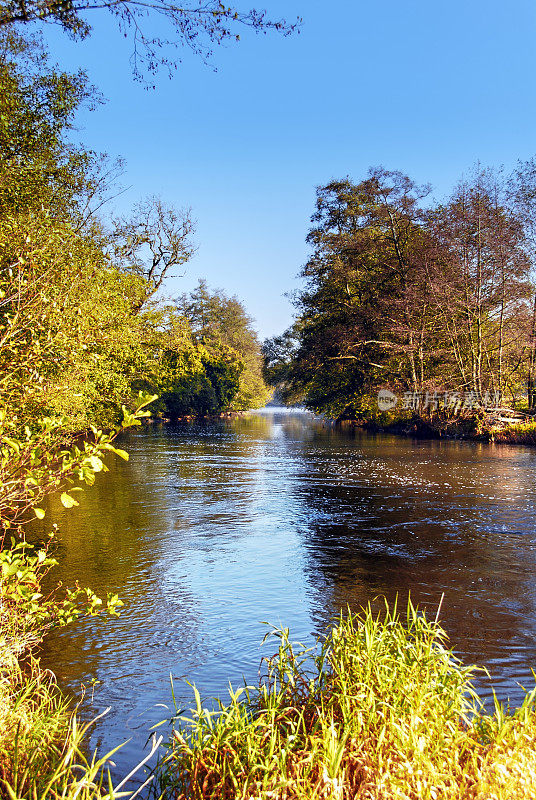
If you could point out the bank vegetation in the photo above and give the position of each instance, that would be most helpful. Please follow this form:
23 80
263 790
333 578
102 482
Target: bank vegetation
431 301
381 709
89 346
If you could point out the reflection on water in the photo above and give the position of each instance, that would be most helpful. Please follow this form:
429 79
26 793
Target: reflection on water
209 530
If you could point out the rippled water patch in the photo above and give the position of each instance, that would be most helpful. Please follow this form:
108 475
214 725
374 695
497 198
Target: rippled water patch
208 530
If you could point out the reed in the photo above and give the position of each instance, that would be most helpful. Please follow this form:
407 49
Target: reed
380 709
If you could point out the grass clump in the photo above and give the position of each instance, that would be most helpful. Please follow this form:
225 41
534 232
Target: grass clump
41 741
43 746
381 709
520 433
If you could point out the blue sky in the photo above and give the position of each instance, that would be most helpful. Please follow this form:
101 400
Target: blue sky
427 88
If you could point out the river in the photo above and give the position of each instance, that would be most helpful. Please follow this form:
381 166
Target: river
209 530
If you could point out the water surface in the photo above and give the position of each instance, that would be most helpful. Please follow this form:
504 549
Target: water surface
210 529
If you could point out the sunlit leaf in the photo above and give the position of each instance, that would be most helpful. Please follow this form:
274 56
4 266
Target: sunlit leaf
67 500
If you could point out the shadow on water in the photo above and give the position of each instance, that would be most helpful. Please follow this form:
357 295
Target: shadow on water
210 529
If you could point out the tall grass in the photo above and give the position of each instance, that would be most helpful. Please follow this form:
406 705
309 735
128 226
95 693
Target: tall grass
382 709
43 746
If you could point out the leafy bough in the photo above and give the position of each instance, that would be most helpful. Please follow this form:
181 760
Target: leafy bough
31 467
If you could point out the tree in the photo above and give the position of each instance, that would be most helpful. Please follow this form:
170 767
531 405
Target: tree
40 166
417 299
82 330
521 190
358 320
69 343
197 25
278 354
154 240
481 283
217 320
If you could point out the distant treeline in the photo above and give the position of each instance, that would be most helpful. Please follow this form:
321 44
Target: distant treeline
82 326
412 295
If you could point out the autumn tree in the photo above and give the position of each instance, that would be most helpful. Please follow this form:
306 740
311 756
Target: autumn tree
480 281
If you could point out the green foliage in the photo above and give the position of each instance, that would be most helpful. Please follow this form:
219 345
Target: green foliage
223 371
221 325
196 381
40 166
80 328
69 343
23 568
36 462
32 467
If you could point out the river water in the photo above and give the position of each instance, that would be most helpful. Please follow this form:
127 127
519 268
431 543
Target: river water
209 530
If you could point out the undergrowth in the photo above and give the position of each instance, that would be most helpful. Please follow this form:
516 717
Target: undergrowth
43 745
520 433
381 709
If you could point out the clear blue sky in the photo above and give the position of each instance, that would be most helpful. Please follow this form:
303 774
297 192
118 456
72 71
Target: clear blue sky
427 88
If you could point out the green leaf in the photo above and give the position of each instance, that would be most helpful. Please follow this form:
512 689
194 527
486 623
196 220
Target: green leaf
121 453
96 463
67 500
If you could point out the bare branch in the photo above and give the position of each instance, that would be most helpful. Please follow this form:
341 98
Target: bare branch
154 240
196 25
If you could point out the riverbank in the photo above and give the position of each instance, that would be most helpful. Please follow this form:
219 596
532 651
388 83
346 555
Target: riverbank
381 710
198 417
41 742
44 746
519 429
43 752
